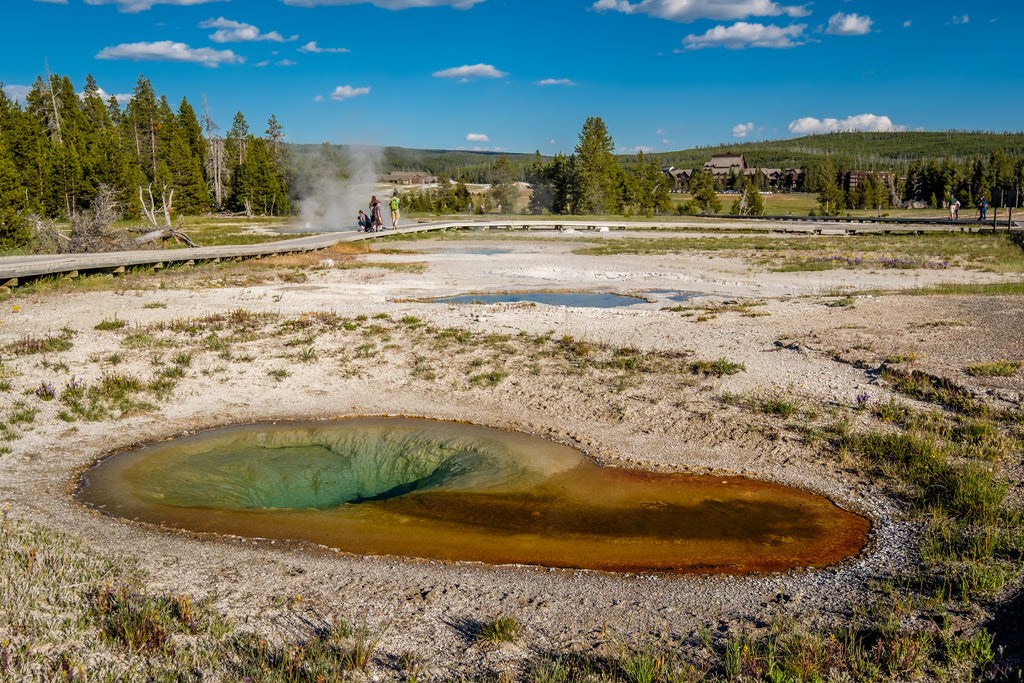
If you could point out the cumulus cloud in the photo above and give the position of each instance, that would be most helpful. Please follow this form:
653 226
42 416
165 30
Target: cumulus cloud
17 92
237 32
344 92
464 73
134 6
963 19
313 48
477 137
387 4
860 122
53 2
687 11
555 81
742 130
840 24
742 35
104 95
168 51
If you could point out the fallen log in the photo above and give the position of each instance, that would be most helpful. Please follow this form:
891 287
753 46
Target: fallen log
165 234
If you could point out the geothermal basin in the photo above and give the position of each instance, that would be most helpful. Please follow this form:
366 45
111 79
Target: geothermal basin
451 491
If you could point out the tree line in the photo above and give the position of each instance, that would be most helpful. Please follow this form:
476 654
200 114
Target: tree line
592 181
61 150
932 182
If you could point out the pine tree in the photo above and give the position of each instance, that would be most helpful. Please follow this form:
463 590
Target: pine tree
236 141
185 153
705 198
14 227
254 185
140 125
503 185
596 176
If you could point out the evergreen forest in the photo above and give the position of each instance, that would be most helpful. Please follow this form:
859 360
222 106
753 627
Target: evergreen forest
62 149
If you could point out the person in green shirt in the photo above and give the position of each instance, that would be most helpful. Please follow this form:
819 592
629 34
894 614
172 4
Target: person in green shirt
394 210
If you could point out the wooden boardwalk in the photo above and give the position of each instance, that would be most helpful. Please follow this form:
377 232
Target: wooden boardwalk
14 269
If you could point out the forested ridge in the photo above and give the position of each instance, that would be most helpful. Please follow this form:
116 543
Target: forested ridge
62 149
894 151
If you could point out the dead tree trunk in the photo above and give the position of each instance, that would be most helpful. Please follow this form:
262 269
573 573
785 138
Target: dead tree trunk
167 231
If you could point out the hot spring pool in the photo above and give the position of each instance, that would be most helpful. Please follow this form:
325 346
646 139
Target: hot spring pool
451 491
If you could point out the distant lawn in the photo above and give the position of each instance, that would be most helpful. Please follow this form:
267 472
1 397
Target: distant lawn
992 252
803 203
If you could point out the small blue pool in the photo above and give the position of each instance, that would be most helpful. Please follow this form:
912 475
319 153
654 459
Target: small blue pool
574 299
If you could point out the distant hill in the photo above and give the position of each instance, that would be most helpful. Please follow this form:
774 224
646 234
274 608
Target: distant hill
863 151
474 166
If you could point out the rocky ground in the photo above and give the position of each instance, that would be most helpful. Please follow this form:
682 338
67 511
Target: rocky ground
796 335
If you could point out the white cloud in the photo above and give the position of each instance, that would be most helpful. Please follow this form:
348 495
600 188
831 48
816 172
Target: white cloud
964 19
742 130
387 4
906 24
687 11
344 92
53 2
17 92
104 95
635 150
840 24
555 81
477 137
237 32
134 6
860 122
742 35
467 72
285 62
167 51
313 48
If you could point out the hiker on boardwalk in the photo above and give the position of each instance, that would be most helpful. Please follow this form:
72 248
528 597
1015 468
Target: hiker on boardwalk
364 222
954 208
394 210
376 222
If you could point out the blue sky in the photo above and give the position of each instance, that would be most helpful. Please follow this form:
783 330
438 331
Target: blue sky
523 75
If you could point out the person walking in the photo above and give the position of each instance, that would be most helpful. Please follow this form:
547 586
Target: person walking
394 210
376 222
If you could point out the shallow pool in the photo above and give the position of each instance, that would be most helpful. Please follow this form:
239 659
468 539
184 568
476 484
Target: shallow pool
574 299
